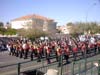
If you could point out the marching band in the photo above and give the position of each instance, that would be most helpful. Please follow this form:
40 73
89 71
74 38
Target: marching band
28 49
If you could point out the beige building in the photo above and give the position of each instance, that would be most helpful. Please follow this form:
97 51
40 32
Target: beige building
34 21
64 29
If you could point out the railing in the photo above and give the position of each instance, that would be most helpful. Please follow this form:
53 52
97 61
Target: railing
92 67
74 68
19 67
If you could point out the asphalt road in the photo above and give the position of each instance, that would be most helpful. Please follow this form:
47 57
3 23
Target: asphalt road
6 59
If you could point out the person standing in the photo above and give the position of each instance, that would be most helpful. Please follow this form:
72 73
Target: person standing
21 51
9 48
32 51
48 50
66 53
17 48
38 54
59 53
83 49
98 45
26 49
75 50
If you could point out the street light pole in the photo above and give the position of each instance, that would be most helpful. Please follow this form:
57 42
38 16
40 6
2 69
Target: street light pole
87 13
84 31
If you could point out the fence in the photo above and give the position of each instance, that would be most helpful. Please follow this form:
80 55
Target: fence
82 67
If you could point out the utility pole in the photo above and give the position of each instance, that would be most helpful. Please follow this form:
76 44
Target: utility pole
87 13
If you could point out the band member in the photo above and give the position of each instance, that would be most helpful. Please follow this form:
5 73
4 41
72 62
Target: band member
35 49
59 53
32 51
83 49
98 45
75 50
21 51
90 47
39 54
11 48
66 53
55 51
53 46
26 49
17 49
48 50
95 47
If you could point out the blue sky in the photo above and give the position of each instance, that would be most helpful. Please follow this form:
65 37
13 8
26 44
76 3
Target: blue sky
62 11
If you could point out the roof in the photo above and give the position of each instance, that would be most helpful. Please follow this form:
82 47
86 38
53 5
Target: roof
32 16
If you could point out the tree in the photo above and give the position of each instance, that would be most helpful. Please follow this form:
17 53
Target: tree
10 31
2 31
31 33
70 24
8 25
74 28
1 24
81 27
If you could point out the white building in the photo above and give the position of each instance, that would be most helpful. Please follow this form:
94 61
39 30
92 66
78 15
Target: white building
34 21
18 24
64 29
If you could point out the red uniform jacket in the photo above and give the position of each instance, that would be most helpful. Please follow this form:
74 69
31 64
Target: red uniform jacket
75 49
